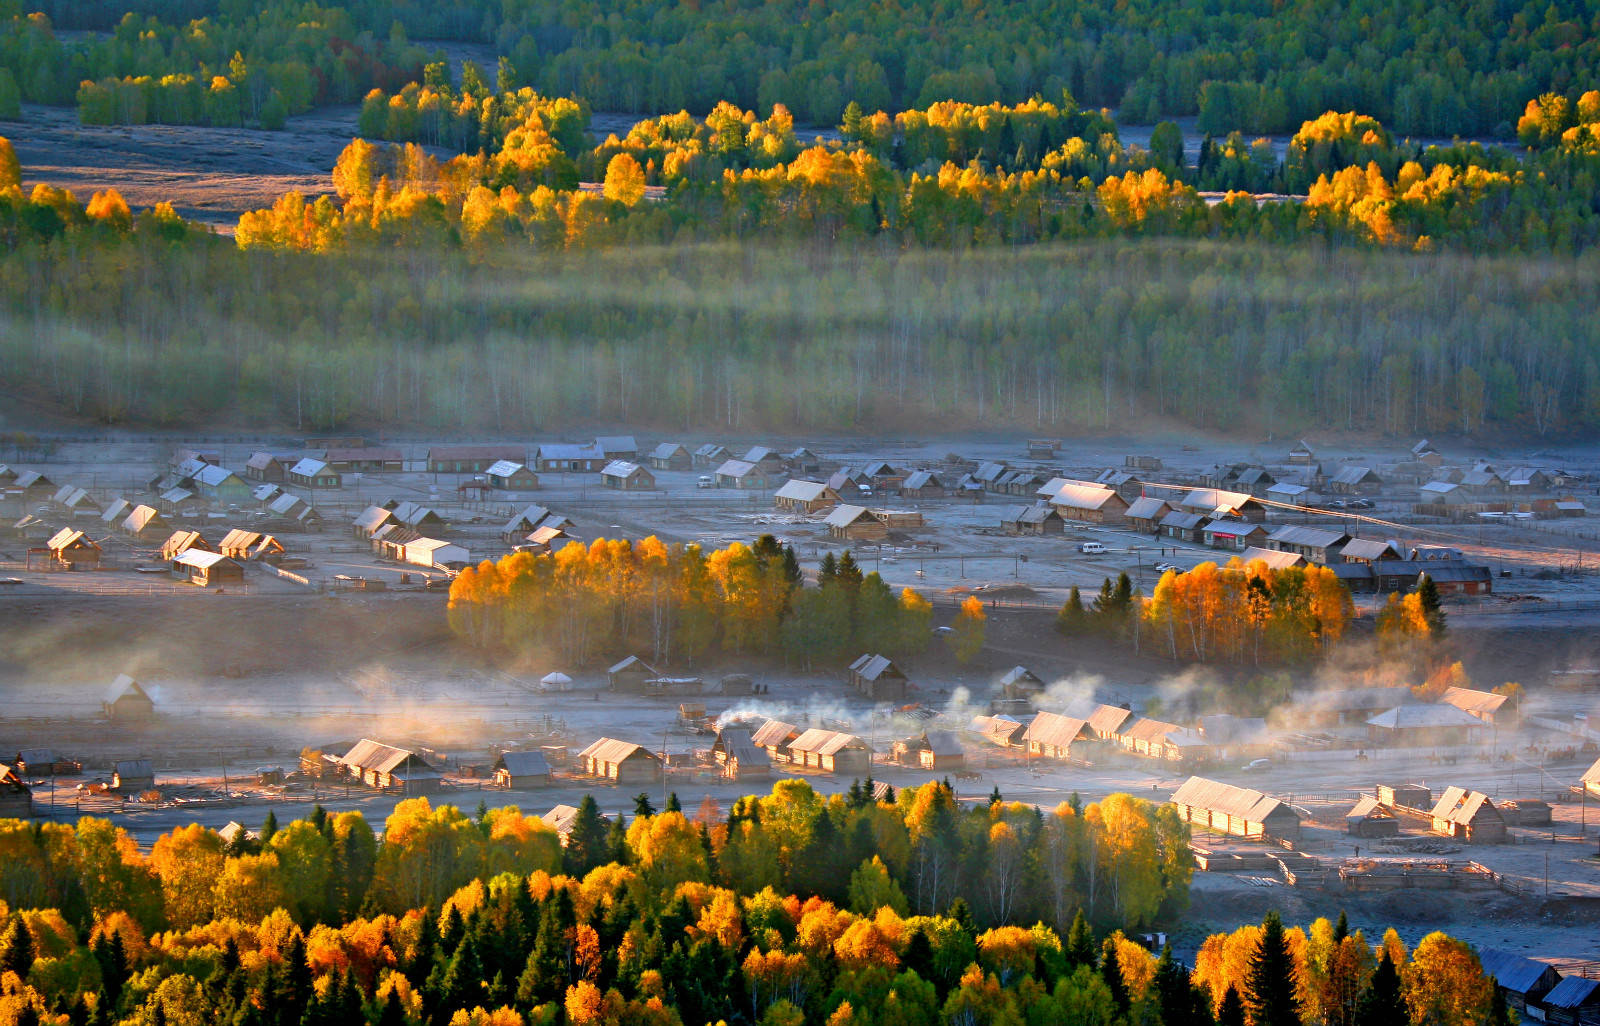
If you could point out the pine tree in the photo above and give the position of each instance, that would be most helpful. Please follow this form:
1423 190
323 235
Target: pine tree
450 935
617 841
1231 1013
1499 1014
420 965
1073 618
392 1014
918 956
1111 973
113 959
269 826
828 570
994 797
1432 610
1270 981
28 1015
1383 1004
16 948
1080 944
673 805
791 566
642 806
1341 929
1179 1002
586 845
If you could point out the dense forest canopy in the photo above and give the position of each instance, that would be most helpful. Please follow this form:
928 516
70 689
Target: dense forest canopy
1464 67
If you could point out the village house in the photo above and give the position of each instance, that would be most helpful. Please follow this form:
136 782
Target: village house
34 486
1146 513
559 458
72 498
1522 480
1302 453
989 473
311 473
878 679
622 762
1239 811
133 776
1369 550
1234 535
264 494
769 462
387 768
1468 816
547 538
1435 495
242 544
710 455
207 569
1089 503
16 800
126 701
1019 682
1292 494
774 737
371 520
1218 502
289 506
627 477
630 675
71 547
1423 726
1037 519
471 459
561 819
1316 545
923 484
1125 484
831 751
115 512
1022 482
1406 796
511 476
855 523
739 757
519 525
522 770
1575 1001
416 516
181 541
671 456
999 730
1051 735
1451 578
885 476
941 751
802 461
144 522
1523 982
741 474
1158 739
1180 526
1272 558
436 554
1107 721
1355 480
363 459
800 496
618 447
1483 482
1483 705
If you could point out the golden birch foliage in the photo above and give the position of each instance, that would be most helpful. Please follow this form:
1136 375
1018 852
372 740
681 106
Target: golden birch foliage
188 860
1444 984
483 1017
624 181
10 169
668 849
1223 961
863 945
250 887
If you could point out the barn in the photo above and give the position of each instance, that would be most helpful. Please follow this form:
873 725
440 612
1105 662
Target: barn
1242 812
127 701
390 769
1468 816
521 770
1370 819
622 762
877 678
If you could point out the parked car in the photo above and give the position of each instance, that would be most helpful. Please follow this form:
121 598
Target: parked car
1256 765
705 481
1162 568
1091 548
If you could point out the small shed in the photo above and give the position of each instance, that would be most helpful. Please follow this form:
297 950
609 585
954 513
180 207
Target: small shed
1052 735
16 800
1020 682
1226 809
877 678
1408 796
1370 819
390 769
133 775
630 675
207 569
510 475
671 456
266 466
314 473
627 477
127 701
800 496
622 762
738 684
521 770
1468 816
1038 519
74 548
1526 812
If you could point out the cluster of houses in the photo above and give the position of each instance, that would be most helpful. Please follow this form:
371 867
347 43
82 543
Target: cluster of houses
395 530
1107 728
1395 717
1536 991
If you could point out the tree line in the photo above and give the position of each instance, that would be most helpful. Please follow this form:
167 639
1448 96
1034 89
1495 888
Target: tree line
676 603
762 916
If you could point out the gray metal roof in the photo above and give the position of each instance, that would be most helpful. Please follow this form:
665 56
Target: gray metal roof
631 664
1182 521
135 768
736 468
846 514
1573 992
922 479
1514 972
1309 537
1274 559
1404 717
504 468
871 666
524 764
616 443
1147 507
1370 548
802 491
1355 476
1084 496
667 450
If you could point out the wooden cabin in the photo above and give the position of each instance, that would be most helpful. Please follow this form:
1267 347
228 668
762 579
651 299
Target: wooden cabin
133 775
878 679
1051 735
511 476
831 751
774 737
388 768
802 497
1239 811
1468 816
671 456
72 547
522 770
1369 818
627 477
16 800
126 701
621 762
630 675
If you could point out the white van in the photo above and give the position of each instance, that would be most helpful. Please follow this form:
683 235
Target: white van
1091 548
705 481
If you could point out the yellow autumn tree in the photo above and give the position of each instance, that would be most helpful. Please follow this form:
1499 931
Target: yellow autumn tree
970 626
